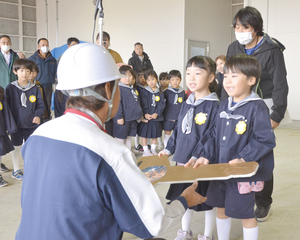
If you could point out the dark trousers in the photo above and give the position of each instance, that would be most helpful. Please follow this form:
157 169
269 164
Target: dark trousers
264 197
48 96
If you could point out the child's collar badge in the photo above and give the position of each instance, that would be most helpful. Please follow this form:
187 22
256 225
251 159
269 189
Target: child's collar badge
241 127
201 118
180 100
32 98
136 92
1 106
157 98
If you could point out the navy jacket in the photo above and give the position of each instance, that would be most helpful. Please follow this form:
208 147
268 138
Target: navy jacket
137 64
47 67
172 109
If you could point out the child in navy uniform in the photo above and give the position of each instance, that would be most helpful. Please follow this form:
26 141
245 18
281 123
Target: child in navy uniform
163 81
196 120
7 123
174 96
27 107
125 120
243 134
153 104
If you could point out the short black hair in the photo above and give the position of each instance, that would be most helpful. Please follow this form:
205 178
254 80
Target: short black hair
72 39
2 36
34 66
174 73
202 62
41 40
124 68
22 63
163 75
142 71
249 16
138 43
150 72
105 36
245 64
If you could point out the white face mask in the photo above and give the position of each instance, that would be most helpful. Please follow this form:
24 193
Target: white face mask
244 38
5 48
44 49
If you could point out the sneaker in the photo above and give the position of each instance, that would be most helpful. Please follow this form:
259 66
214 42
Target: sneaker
203 237
17 175
262 214
139 148
184 235
3 168
3 183
153 152
160 146
147 153
149 146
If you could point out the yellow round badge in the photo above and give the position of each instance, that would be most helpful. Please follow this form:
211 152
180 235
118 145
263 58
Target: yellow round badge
180 100
157 98
201 118
32 98
240 127
136 92
1 106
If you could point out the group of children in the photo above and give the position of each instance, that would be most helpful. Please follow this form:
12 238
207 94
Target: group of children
22 109
205 131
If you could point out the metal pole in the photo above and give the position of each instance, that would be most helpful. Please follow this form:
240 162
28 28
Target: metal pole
101 16
57 32
46 4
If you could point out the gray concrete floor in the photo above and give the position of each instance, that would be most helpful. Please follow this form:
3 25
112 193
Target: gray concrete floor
283 224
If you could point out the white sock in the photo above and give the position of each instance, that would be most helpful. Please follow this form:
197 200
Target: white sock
136 140
153 147
145 148
128 142
223 228
16 156
166 139
210 222
250 233
159 140
187 220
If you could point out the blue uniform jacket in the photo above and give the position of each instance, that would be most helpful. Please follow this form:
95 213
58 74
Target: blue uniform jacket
129 107
7 121
152 102
47 67
173 108
181 144
24 115
243 131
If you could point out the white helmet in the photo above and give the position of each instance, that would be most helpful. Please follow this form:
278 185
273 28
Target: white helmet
82 67
85 65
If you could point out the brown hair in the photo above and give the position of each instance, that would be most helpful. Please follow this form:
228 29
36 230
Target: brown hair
222 57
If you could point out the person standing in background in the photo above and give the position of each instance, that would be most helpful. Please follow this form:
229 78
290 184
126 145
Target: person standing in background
139 58
47 65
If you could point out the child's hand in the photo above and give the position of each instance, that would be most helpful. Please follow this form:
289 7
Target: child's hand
236 160
120 121
148 116
200 161
144 120
162 153
36 120
154 115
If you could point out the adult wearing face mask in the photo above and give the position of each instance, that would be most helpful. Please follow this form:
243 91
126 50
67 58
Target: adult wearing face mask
47 65
272 86
7 58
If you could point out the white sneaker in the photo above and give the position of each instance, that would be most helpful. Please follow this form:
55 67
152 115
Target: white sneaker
153 152
184 235
203 237
147 153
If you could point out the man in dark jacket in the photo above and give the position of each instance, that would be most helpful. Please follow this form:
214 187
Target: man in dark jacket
139 58
7 58
47 65
272 86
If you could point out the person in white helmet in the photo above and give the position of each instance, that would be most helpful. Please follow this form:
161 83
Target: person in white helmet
79 182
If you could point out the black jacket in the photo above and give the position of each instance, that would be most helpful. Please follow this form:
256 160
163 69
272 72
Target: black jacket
273 82
137 64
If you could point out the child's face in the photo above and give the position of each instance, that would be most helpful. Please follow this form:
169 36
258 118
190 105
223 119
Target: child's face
127 80
23 74
220 64
175 82
198 79
151 82
142 80
132 81
164 83
32 75
237 85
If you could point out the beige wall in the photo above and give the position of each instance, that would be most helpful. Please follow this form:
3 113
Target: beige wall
281 20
